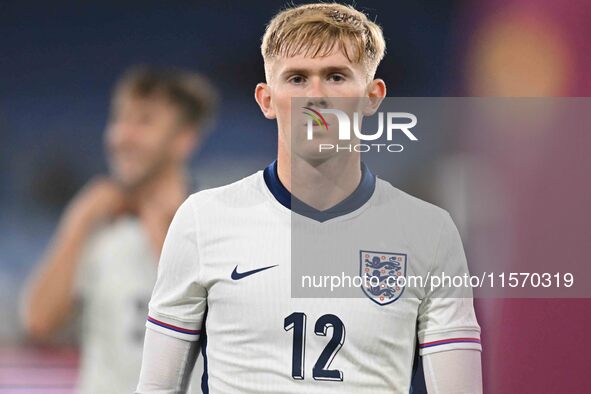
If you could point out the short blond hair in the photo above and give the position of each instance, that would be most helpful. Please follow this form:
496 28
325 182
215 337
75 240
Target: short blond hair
315 29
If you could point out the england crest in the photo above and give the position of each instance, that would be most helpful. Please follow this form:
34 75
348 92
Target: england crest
381 272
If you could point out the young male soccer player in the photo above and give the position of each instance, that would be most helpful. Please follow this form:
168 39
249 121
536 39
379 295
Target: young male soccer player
102 263
225 271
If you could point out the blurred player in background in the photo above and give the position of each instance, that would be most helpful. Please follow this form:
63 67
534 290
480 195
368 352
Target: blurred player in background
102 262
225 272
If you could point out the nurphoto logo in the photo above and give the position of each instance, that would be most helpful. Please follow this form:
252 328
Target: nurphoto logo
395 122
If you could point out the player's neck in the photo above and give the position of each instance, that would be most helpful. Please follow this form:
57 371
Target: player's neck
321 185
171 177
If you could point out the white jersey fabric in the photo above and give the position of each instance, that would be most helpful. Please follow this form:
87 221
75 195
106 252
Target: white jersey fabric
115 278
225 278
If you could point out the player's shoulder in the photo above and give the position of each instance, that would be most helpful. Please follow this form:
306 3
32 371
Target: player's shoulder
410 207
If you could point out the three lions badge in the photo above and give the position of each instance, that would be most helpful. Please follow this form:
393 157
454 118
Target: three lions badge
382 272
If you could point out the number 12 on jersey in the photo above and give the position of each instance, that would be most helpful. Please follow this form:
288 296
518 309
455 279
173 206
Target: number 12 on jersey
320 371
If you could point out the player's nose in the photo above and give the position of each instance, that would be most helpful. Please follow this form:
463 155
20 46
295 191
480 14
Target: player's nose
318 102
315 90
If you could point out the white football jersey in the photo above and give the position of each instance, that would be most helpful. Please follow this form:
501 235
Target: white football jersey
115 278
225 278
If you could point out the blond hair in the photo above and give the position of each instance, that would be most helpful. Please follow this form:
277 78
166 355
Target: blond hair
315 29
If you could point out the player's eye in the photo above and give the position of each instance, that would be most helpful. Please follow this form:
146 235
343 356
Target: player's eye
296 79
336 77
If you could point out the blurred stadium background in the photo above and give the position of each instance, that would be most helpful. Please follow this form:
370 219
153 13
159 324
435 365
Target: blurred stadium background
59 62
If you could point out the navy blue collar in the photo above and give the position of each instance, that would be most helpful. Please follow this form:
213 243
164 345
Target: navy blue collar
354 201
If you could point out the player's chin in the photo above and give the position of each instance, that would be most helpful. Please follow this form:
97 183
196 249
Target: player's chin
315 153
129 175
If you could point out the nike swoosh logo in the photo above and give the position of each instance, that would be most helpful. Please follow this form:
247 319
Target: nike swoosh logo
239 275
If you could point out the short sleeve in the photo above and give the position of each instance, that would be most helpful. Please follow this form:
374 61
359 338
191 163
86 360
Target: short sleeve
179 301
446 318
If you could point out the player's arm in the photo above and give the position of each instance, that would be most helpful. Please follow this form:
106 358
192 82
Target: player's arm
177 309
448 333
453 372
167 364
50 297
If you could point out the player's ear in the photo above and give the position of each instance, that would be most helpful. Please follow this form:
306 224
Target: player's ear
262 94
376 91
